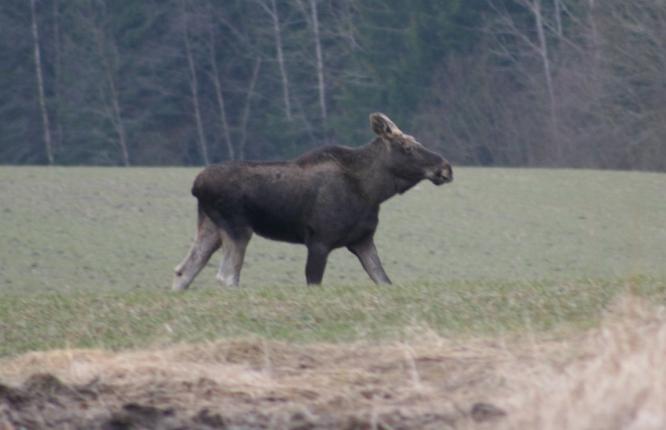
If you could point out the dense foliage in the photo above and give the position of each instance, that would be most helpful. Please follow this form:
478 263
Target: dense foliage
578 83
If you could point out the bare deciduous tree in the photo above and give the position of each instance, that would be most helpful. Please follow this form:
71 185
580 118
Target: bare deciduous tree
321 87
108 54
219 95
272 11
40 85
245 116
194 86
535 7
57 72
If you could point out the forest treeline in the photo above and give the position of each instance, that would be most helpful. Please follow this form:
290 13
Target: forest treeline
576 83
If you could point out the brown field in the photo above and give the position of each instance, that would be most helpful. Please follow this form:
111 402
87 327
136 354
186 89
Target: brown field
613 376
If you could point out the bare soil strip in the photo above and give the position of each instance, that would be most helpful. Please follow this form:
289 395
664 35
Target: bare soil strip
612 377
256 384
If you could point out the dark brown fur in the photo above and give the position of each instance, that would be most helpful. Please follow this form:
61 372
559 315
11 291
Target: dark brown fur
325 199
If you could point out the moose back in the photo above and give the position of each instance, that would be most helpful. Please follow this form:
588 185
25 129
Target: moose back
325 199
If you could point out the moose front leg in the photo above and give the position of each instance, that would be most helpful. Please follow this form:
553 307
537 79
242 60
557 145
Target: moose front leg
367 254
316 264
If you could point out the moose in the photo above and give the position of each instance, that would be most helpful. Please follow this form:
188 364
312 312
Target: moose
327 198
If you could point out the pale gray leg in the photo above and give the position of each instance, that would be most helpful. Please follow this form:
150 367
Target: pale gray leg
232 260
206 242
367 254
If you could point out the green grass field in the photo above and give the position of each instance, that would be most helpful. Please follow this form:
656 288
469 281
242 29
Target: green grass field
86 258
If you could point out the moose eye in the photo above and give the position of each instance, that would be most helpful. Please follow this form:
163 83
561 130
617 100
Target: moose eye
407 149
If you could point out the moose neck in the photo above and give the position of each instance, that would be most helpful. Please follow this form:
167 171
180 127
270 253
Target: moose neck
378 182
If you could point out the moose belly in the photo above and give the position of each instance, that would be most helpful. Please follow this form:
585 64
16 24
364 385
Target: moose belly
275 224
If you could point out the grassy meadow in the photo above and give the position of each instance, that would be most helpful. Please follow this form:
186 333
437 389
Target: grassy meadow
86 259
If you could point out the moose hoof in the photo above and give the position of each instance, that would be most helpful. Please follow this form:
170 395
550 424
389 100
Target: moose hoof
179 284
229 280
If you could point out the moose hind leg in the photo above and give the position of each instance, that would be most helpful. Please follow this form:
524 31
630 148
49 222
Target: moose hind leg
233 250
366 253
206 242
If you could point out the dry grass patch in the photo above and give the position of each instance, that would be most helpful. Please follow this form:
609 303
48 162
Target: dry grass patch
616 381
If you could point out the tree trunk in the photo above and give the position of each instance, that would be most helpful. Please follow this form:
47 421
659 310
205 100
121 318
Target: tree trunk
594 32
57 71
558 17
543 51
246 109
215 76
194 88
40 86
118 119
115 112
320 62
280 58
118 122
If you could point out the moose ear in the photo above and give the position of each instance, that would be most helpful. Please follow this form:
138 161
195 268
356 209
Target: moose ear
383 126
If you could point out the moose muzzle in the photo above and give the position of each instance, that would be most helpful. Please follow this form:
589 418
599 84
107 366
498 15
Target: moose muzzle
441 174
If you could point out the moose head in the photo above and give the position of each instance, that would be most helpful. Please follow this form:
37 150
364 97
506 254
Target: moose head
406 158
